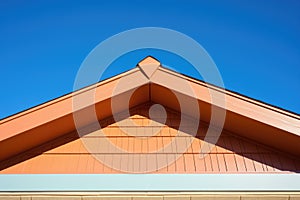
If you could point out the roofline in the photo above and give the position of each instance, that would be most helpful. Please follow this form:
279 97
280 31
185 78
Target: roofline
212 86
240 96
67 95
274 122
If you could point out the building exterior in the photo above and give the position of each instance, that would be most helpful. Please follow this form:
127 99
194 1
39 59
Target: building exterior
151 133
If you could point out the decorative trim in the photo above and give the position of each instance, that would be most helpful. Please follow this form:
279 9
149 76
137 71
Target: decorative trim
150 182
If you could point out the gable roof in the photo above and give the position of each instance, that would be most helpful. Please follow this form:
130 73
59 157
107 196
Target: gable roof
150 81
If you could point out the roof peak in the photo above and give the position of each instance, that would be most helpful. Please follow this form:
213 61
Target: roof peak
148 60
148 66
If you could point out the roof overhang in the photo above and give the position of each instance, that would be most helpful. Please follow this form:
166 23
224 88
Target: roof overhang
149 81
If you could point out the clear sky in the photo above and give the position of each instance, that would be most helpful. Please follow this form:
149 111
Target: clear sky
255 44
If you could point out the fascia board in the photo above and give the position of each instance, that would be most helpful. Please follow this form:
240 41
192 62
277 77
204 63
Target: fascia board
45 122
233 103
61 107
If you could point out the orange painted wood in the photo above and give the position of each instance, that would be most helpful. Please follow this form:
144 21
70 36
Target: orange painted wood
189 163
240 163
230 162
24 135
171 163
199 164
68 153
180 164
208 164
221 163
249 163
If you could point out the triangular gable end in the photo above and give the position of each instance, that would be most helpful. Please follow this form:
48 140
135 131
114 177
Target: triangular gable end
246 118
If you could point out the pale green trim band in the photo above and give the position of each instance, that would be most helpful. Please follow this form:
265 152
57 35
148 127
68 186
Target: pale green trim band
149 182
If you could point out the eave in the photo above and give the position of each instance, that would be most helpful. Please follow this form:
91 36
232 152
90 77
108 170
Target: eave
249 118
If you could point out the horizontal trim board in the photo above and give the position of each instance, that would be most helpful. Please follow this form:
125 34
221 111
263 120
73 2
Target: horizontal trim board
148 182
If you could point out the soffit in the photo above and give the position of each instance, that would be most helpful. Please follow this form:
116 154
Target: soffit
247 117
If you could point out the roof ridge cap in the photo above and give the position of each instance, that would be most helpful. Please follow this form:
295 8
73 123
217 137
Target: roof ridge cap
148 66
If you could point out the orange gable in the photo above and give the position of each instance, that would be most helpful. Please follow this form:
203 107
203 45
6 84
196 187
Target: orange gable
256 138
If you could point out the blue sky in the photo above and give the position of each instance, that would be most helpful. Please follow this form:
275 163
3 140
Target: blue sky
255 44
